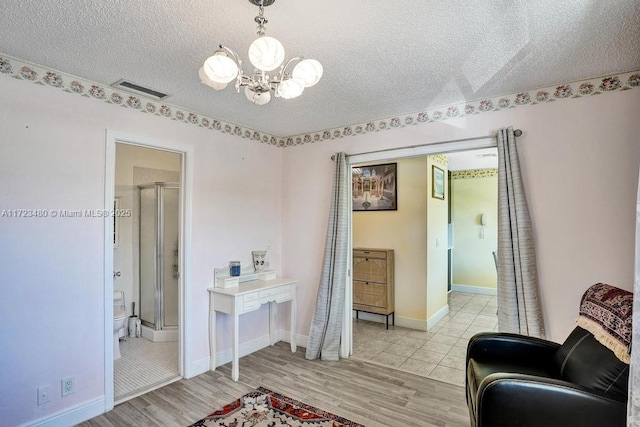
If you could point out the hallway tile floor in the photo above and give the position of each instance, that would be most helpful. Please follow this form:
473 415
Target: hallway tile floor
438 353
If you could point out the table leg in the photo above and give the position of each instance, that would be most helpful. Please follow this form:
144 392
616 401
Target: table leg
212 334
235 368
292 327
272 323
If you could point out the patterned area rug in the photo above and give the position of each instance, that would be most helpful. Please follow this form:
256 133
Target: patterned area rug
263 407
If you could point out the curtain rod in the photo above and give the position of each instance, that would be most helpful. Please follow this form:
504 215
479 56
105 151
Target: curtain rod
516 132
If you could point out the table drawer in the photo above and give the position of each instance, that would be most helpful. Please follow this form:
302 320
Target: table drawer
249 303
251 297
278 294
267 293
284 296
253 301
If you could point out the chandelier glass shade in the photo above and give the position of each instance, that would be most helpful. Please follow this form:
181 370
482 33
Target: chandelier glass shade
265 54
219 68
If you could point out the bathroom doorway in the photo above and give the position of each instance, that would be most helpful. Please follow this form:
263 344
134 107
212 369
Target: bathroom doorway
146 264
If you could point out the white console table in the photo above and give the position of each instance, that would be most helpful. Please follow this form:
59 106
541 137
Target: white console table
246 297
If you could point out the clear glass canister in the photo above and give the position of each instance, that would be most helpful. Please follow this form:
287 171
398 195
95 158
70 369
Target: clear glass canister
234 268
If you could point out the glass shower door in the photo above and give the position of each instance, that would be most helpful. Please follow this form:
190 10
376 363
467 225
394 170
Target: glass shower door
170 272
148 255
159 265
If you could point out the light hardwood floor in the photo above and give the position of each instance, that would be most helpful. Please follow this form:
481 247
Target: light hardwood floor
370 394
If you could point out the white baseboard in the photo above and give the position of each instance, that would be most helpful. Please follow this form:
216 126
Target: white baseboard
474 289
256 344
247 347
437 317
405 322
301 340
73 415
198 367
201 366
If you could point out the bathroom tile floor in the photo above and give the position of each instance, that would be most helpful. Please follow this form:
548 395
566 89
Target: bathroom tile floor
438 353
144 366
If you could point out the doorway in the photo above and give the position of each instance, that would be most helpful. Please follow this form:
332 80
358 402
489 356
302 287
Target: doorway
474 221
150 182
146 262
436 352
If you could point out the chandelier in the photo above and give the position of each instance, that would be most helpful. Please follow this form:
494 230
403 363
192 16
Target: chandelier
266 54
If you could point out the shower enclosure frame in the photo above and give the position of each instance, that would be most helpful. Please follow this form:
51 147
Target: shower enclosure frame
159 255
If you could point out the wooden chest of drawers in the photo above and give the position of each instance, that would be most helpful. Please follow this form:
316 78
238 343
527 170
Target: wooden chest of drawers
373 286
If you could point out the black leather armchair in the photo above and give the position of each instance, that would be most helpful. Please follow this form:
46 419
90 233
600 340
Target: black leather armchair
515 380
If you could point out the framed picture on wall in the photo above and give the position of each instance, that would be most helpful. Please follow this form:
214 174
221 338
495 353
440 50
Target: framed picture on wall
437 180
374 187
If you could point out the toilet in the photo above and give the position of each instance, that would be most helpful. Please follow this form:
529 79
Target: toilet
119 318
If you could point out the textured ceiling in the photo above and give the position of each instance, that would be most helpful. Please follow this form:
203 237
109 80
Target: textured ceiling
486 158
380 58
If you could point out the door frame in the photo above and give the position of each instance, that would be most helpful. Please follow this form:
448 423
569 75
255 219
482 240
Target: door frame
346 347
184 299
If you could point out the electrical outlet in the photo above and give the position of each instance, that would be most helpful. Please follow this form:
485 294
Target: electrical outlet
44 394
68 386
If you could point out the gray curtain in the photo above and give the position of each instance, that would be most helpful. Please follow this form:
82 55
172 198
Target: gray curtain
326 324
518 303
633 405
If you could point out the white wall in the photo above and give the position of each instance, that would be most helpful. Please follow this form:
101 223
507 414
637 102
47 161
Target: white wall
437 237
579 160
52 156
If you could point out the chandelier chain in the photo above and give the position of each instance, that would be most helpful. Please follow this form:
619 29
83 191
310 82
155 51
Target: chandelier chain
261 20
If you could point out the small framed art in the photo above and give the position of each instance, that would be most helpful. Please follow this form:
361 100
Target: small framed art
437 180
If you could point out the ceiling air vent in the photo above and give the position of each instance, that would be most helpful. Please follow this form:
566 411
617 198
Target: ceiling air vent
139 89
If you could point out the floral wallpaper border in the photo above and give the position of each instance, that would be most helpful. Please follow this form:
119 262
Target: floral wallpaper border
25 71
440 159
474 173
